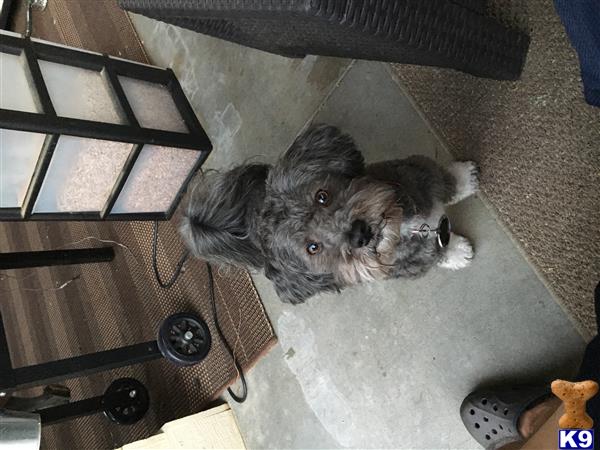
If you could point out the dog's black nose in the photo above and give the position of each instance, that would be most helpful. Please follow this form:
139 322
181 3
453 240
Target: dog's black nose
360 234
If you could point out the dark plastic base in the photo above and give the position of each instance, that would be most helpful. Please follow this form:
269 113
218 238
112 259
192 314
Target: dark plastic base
136 406
184 339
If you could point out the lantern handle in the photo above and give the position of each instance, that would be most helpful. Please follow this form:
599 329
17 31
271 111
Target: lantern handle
39 4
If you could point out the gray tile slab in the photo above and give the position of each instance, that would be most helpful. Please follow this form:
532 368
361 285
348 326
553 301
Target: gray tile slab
250 102
388 364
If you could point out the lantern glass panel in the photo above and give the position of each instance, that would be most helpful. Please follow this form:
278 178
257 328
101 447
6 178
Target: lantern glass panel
153 105
81 93
155 180
19 152
16 84
81 175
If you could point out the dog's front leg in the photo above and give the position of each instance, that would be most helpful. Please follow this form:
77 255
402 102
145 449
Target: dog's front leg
458 254
466 175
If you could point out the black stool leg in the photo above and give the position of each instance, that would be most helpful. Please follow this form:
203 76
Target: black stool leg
45 258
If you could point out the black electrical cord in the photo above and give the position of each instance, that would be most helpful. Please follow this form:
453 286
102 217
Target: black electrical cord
241 398
211 287
178 268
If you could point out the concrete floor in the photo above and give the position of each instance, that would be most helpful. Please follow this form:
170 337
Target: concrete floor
384 365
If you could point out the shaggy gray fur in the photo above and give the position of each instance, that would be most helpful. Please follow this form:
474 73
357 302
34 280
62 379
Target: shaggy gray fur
273 218
220 223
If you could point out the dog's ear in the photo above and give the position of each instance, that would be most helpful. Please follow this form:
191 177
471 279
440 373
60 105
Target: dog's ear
296 286
319 151
219 224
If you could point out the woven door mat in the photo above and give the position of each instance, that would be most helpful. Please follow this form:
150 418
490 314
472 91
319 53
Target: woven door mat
108 305
538 146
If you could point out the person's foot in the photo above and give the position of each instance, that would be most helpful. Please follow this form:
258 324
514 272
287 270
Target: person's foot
533 418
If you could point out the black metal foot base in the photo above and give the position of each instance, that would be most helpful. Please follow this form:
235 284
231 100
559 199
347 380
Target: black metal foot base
184 339
125 402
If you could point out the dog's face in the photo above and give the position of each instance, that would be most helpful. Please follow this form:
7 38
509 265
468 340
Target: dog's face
326 224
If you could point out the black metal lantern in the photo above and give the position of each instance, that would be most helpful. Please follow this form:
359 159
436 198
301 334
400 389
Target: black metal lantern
86 136
5 8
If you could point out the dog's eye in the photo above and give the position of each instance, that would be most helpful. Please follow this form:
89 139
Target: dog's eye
322 197
313 248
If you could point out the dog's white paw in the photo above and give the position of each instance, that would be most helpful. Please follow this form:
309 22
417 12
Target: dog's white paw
467 179
459 253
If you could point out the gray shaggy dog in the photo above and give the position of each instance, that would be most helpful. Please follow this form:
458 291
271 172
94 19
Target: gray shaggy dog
320 219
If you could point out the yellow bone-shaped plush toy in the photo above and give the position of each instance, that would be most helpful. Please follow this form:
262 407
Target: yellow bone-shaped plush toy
574 397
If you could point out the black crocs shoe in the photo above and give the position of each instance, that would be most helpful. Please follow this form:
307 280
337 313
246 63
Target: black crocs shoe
492 415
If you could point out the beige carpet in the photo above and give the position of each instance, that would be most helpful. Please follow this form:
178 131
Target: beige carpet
538 144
